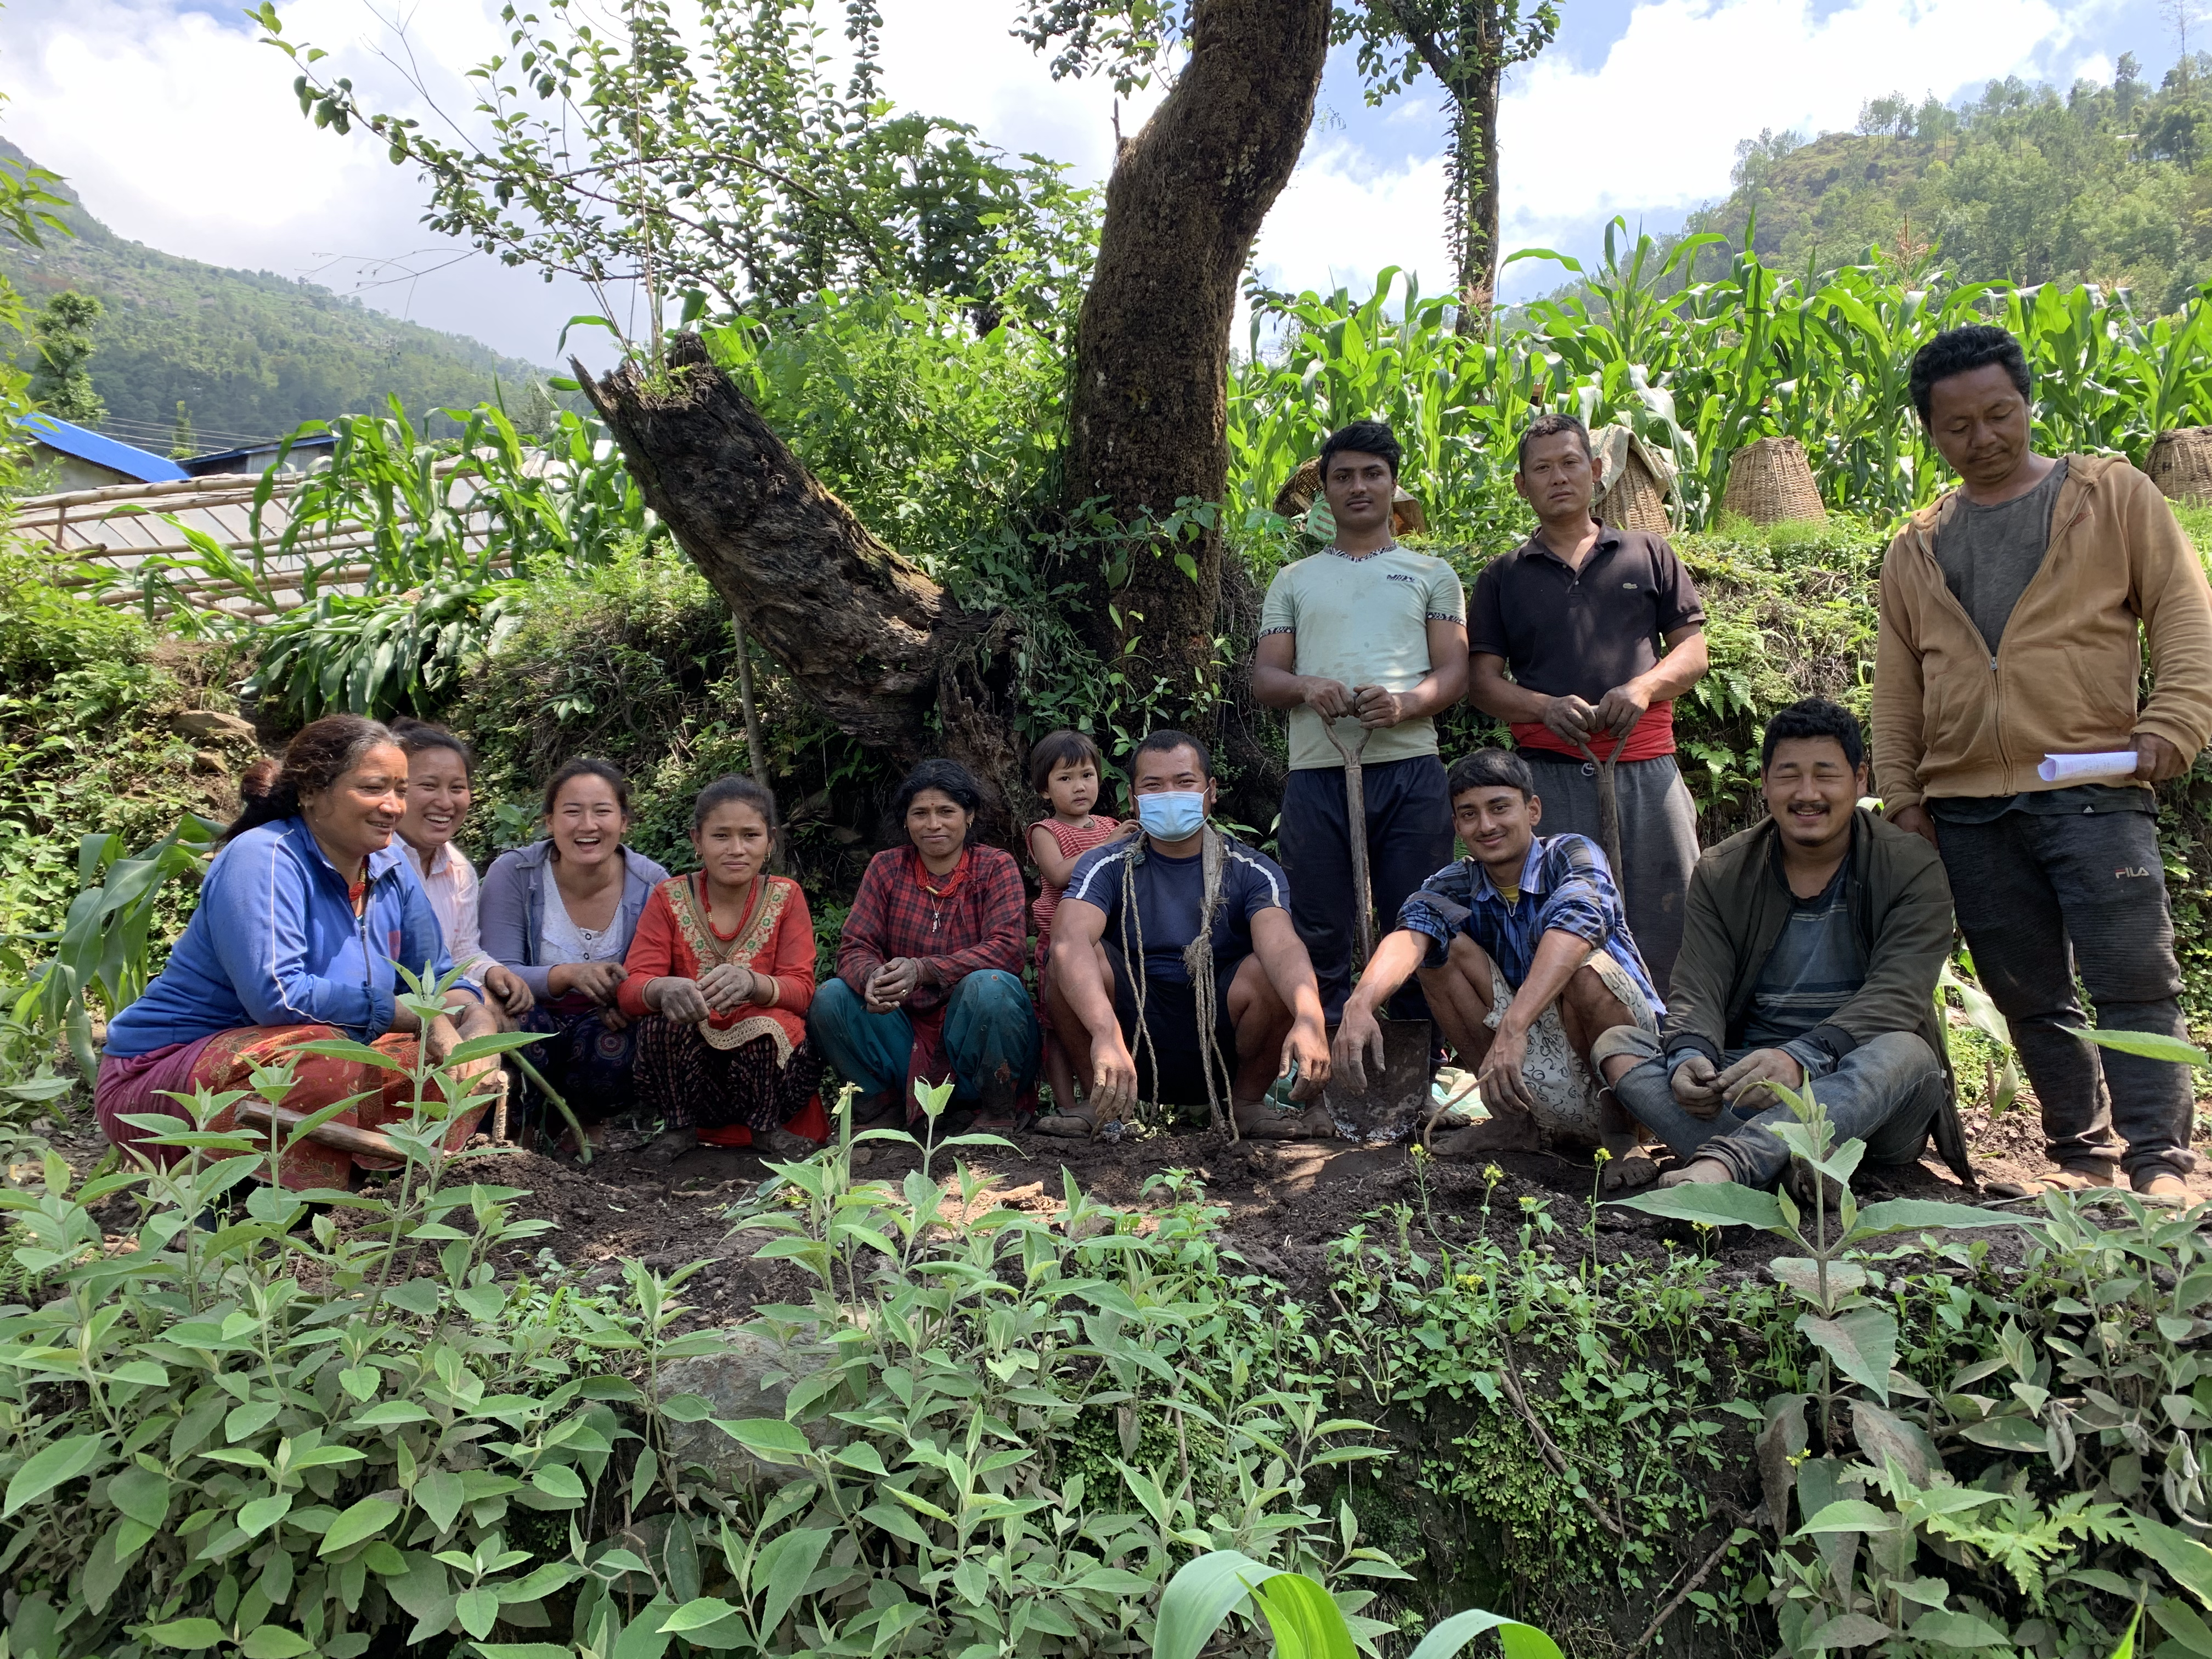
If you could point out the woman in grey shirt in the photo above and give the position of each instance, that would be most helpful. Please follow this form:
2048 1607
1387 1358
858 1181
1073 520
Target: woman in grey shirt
559 913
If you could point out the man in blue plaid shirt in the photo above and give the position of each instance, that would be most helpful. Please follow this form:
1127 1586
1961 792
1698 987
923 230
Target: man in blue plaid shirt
1524 953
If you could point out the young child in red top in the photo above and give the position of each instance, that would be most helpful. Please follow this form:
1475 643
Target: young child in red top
1065 769
720 975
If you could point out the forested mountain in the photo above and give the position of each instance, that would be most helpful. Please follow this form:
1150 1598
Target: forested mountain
249 354
2104 183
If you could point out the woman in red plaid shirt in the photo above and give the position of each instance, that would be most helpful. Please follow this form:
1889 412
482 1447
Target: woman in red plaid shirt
929 965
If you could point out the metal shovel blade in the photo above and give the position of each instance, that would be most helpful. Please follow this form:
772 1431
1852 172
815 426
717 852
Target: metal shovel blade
1395 1101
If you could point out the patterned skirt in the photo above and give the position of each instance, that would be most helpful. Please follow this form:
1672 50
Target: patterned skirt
691 1085
143 1083
587 1064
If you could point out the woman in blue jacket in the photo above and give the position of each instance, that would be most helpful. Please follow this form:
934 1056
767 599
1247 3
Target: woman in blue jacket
559 914
306 914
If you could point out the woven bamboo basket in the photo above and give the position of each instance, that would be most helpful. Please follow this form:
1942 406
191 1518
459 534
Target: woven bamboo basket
1303 487
1771 481
1634 500
2180 464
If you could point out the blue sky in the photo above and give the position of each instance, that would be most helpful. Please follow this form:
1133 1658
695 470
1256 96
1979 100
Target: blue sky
181 132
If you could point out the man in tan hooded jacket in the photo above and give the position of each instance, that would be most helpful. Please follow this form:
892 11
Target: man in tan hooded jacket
2014 613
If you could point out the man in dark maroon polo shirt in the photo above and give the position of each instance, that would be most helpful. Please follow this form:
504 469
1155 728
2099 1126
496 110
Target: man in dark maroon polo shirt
1601 629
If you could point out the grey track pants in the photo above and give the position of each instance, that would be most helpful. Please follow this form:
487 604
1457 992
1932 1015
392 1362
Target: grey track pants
1658 842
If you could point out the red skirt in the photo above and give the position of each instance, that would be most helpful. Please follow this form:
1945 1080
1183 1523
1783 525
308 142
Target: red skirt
137 1084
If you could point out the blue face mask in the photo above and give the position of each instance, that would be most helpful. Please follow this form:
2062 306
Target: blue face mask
1172 814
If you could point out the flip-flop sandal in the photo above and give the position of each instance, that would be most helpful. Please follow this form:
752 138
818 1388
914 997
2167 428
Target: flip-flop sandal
1629 1174
2067 1179
2166 1192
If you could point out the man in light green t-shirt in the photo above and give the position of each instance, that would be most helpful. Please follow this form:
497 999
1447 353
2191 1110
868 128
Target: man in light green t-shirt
1365 631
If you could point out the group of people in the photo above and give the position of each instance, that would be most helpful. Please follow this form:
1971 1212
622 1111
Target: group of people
1659 1004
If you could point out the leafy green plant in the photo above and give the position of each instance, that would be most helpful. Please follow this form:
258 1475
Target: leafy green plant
2026 1535
256 1430
937 1385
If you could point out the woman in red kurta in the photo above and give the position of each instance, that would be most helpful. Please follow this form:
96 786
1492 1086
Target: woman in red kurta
720 975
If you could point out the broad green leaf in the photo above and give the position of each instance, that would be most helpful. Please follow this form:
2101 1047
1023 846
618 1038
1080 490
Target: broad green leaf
478 1610
141 1493
694 1614
263 1513
2188 1562
642 1638
364 1520
784 1566
1203 1593
2150 1045
1957 1630
1305 1622
440 1494
1847 1630
1895 1215
1519 1641
275 1641
63 1460
1862 1343
521 1650
558 1480
1716 1204
186 1633
769 1438
2007 1434
1849 1514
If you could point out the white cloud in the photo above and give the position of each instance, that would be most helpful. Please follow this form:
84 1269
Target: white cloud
182 132
1344 217
1653 129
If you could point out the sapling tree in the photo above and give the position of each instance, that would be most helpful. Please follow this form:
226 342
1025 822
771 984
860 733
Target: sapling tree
1896 1496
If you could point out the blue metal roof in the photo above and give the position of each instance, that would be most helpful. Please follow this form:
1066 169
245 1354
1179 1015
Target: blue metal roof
88 445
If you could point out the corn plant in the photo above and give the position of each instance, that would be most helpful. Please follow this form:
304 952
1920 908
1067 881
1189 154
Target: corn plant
1700 369
106 944
393 567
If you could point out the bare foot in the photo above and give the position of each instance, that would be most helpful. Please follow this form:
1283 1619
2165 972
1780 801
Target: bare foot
790 1145
1630 1171
1493 1134
1261 1120
1702 1172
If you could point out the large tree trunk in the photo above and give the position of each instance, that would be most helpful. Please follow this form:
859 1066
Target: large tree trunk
1149 406
871 640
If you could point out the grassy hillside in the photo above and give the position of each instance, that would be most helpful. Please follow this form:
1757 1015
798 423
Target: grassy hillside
249 353
2102 183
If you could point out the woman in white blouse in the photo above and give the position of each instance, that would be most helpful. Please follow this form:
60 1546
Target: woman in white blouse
441 778
559 913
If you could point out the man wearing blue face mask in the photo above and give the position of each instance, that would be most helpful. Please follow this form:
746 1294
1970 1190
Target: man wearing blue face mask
1176 975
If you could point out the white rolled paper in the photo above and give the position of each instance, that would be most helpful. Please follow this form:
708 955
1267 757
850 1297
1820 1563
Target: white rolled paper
2086 769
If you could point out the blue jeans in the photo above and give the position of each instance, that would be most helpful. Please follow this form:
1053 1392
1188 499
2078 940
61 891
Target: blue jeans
989 1025
1885 1092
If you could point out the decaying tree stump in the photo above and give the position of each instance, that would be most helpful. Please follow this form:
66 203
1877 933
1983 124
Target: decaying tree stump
869 639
